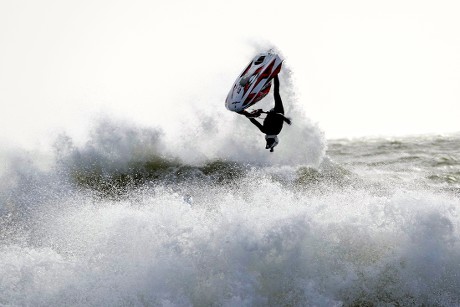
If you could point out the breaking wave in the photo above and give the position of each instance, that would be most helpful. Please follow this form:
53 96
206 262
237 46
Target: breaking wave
120 221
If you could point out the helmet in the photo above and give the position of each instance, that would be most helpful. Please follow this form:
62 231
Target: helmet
272 141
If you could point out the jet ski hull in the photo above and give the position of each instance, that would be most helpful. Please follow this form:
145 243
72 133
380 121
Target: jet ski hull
254 82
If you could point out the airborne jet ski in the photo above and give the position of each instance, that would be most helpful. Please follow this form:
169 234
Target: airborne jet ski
254 82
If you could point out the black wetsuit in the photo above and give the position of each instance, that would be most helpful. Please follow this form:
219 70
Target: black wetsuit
273 123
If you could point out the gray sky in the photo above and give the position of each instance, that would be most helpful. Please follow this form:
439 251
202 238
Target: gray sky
360 67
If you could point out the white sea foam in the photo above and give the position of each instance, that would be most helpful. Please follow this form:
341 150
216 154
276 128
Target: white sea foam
260 242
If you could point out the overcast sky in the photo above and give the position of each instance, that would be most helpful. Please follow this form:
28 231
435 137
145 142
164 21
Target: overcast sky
360 67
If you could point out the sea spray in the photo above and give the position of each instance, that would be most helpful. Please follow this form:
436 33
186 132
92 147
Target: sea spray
350 231
259 243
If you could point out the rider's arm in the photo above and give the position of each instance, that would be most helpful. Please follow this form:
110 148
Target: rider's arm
276 91
277 83
257 124
244 112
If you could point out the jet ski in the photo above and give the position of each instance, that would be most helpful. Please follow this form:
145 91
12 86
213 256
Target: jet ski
254 82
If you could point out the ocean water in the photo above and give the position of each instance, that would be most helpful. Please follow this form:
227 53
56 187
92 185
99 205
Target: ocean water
118 222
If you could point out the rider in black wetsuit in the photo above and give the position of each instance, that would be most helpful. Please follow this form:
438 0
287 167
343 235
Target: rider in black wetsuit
273 123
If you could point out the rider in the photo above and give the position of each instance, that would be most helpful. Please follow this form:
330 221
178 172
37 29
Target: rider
273 123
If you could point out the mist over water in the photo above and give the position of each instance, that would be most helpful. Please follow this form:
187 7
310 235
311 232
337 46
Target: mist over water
218 134
123 221
201 214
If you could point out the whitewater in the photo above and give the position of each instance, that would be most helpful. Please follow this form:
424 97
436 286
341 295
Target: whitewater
203 215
